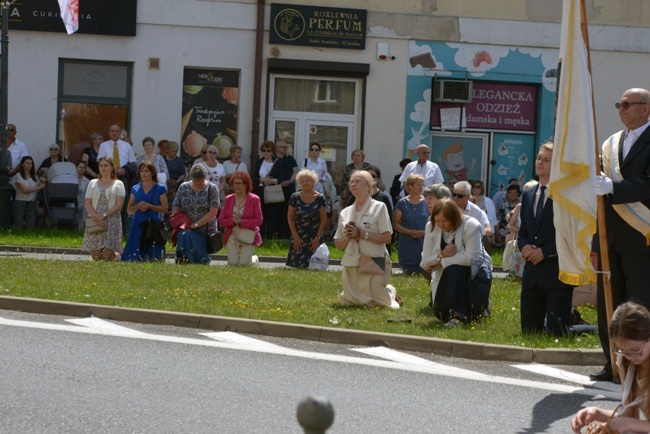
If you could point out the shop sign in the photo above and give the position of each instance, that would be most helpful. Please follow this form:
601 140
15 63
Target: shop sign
317 26
495 106
97 17
209 111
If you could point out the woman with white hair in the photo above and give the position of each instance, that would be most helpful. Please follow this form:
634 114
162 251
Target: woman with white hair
363 231
307 217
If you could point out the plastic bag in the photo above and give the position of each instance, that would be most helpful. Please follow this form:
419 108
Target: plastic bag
320 259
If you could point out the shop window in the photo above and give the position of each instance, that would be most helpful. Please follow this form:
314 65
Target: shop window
93 95
316 96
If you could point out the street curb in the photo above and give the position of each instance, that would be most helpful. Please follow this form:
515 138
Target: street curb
440 347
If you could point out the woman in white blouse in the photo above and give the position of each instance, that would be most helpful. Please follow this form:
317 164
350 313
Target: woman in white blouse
103 203
364 229
319 166
216 172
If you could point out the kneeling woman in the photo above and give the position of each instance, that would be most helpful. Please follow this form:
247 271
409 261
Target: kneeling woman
364 229
195 208
148 199
241 216
452 244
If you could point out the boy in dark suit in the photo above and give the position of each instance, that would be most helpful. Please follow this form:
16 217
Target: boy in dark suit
545 300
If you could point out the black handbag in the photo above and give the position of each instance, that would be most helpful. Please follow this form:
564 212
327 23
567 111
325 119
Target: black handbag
153 231
214 242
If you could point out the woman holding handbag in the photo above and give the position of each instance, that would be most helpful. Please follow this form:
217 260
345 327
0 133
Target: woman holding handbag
103 203
148 199
198 201
363 231
261 179
241 216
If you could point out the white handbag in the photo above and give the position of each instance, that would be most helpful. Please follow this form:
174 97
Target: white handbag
245 236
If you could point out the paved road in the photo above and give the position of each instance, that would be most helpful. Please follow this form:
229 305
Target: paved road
63 375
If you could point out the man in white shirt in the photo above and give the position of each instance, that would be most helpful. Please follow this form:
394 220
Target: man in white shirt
462 191
423 166
17 150
124 152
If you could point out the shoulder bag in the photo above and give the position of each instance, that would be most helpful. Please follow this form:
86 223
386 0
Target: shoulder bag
214 242
245 236
372 265
93 228
273 193
153 231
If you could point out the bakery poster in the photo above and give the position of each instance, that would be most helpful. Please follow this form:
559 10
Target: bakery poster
513 157
460 155
209 111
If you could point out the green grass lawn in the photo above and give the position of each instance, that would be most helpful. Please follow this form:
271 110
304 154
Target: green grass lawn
285 295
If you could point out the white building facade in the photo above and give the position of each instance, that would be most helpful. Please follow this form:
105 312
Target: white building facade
188 74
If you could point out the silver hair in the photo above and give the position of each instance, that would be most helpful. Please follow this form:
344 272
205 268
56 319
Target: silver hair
439 191
94 136
463 187
198 171
309 173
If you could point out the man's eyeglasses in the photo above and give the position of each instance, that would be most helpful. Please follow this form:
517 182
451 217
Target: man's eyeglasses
459 196
627 104
11 129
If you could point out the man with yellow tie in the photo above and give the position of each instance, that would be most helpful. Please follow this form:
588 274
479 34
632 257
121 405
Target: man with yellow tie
125 167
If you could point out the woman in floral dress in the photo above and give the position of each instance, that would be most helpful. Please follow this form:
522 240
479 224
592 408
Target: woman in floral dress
104 201
306 217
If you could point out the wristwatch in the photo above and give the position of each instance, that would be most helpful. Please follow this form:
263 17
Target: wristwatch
194 225
104 216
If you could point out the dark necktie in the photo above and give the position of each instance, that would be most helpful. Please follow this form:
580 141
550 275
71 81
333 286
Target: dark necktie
540 205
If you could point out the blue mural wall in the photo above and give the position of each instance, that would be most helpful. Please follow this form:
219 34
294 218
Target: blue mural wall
489 63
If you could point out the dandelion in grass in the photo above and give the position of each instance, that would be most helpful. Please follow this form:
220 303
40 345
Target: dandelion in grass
334 320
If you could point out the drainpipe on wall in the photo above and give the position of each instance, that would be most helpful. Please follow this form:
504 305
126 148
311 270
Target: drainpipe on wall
257 85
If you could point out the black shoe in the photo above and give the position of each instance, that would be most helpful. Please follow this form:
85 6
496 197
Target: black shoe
604 375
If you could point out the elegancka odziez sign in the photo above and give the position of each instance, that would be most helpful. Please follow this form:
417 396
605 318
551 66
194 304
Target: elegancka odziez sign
317 26
98 17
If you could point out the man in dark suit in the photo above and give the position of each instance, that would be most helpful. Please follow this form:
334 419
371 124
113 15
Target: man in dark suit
625 185
545 301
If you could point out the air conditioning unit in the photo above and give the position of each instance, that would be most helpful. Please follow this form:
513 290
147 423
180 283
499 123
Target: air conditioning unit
459 91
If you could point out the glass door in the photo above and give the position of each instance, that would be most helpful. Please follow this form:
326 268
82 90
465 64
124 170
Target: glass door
335 139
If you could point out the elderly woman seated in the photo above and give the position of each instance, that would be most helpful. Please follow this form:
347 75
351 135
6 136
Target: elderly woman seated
460 268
